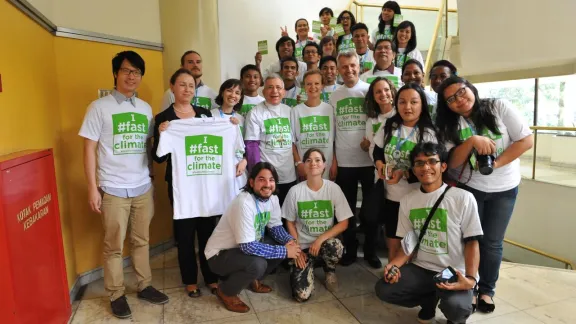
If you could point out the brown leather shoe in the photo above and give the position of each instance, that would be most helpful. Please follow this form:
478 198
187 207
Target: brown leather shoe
232 303
258 287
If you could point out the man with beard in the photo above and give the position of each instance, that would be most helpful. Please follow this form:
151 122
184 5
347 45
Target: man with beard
285 48
238 250
204 96
384 53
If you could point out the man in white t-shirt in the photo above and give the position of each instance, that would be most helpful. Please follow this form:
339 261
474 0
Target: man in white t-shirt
289 72
450 240
238 249
285 48
353 164
384 53
251 80
118 128
360 38
268 135
203 96
328 67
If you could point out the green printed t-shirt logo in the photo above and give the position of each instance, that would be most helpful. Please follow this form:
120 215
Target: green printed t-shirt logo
375 128
346 44
203 155
350 114
325 97
278 133
317 216
298 52
129 133
403 161
391 78
435 241
466 133
246 108
290 102
315 131
202 102
260 221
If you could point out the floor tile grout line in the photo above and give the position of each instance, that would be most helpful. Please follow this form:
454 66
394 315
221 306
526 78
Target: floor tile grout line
347 309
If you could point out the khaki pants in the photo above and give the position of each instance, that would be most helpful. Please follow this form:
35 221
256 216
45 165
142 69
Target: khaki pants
119 214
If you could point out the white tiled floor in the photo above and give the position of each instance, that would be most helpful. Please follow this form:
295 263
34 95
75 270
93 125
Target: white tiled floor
525 295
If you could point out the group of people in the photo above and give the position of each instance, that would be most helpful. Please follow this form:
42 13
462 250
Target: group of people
266 171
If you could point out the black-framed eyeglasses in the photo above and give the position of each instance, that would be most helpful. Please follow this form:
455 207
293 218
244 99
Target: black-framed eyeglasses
457 95
345 18
126 71
310 52
431 162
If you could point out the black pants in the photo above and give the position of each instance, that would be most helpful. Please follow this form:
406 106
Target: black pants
185 231
239 270
348 179
283 191
373 215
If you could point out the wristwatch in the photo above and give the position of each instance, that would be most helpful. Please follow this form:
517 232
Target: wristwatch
296 164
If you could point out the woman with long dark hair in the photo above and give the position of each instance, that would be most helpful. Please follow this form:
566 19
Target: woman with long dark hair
411 125
486 135
413 72
386 29
344 43
406 44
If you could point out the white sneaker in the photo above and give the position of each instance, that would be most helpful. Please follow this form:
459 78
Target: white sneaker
331 282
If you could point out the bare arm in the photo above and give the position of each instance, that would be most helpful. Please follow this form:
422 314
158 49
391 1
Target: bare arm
292 229
94 198
514 151
460 153
472 257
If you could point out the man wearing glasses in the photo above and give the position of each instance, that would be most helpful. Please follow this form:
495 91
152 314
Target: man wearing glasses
450 239
311 55
118 127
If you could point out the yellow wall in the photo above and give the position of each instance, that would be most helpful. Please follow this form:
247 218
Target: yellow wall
48 82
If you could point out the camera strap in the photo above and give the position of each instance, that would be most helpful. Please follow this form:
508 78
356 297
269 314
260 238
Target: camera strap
427 222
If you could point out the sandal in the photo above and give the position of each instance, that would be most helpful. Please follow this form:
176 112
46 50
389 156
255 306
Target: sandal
194 293
485 307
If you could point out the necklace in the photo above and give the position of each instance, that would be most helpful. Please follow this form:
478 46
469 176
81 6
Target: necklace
183 112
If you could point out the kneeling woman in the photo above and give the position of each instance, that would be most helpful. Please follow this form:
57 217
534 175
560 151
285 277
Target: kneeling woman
309 209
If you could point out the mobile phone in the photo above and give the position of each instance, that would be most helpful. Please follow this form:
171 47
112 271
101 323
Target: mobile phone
448 275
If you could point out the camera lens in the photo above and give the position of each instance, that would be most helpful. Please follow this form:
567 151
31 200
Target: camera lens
485 164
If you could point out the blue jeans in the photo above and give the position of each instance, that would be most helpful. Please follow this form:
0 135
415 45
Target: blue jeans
495 210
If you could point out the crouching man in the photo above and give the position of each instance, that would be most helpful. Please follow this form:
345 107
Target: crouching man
421 274
236 250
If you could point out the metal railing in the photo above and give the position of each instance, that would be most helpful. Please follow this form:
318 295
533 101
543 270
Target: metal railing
544 128
567 263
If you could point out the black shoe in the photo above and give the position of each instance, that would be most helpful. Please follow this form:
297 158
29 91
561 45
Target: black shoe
426 316
120 307
373 261
484 307
450 322
348 259
153 296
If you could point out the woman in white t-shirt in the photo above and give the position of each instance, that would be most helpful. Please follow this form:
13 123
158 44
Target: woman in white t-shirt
405 40
476 128
309 209
344 42
386 27
302 28
401 133
379 106
230 99
313 125
413 72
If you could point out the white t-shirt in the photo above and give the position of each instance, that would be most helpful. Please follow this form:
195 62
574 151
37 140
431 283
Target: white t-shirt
318 37
272 127
376 35
299 49
432 98
455 219
395 77
204 97
314 211
513 128
249 103
350 124
327 92
346 44
275 68
401 57
204 154
291 97
367 62
243 222
373 127
121 131
314 128
404 144
216 112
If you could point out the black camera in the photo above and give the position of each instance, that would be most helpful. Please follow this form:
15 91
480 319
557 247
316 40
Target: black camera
485 164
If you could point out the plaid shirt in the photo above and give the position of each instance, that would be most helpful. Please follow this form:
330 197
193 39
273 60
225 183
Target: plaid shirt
269 251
